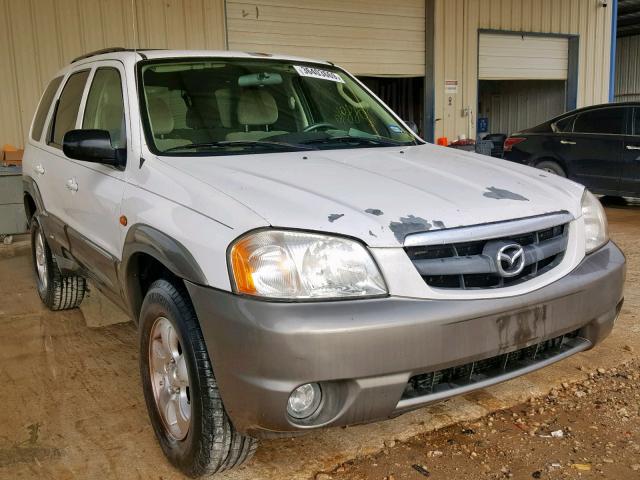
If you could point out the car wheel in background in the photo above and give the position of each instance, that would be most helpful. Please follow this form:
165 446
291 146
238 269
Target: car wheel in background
551 167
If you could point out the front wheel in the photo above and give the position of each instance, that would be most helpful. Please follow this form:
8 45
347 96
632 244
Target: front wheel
180 389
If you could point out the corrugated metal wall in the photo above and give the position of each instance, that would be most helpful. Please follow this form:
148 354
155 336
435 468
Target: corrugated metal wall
512 105
627 88
38 37
368 37
456 48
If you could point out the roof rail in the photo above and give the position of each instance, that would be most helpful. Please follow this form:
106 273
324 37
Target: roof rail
100 52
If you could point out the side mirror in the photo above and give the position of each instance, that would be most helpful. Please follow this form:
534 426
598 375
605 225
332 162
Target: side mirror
412 125
93 146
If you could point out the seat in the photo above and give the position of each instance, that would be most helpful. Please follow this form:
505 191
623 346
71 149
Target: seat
111 118
256 108
162 124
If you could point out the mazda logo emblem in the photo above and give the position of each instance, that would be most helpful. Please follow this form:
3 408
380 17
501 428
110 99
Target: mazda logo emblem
510 260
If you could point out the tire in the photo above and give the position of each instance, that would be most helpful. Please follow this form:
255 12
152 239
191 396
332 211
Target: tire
551 167
57 291
178 379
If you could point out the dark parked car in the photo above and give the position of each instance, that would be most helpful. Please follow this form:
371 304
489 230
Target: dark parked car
598 146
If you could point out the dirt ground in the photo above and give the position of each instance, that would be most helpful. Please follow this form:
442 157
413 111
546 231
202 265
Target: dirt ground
588 429
71 405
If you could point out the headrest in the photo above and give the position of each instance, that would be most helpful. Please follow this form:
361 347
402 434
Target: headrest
257 107
223 97
160 116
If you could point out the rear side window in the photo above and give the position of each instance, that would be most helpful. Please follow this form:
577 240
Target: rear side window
68 106
105 106
43 108
603 120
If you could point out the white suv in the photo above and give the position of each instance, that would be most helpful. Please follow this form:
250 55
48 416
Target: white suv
295 257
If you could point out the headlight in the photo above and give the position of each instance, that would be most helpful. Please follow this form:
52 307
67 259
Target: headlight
596 231
297 265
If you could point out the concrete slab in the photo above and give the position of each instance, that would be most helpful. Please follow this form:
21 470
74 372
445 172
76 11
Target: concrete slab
72 405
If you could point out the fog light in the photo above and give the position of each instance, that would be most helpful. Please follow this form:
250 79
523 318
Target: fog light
304 400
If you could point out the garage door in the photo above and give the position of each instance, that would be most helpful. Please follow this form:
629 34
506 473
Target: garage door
368 37
515 57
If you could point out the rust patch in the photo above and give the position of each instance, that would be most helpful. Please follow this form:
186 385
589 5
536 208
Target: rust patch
501 194
407 225
374 211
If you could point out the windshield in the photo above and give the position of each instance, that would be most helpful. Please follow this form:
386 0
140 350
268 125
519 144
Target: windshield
240 106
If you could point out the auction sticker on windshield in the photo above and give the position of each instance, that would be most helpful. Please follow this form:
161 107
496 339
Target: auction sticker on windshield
318 73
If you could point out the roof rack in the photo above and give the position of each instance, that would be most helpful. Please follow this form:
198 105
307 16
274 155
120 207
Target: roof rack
100 52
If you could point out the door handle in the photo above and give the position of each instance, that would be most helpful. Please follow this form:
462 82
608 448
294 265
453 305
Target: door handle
633 147
567 142
39 169
72 185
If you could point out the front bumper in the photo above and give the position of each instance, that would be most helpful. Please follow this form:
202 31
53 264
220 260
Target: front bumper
363 352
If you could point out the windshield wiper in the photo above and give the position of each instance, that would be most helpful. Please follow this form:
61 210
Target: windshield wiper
239 143
357 140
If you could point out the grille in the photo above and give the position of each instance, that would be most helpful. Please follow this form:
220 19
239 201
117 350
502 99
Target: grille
469 373
472 265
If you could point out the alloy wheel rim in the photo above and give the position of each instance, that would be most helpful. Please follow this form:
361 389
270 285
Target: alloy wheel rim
169 378
41 260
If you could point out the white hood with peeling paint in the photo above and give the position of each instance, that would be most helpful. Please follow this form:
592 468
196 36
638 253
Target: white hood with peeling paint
381 194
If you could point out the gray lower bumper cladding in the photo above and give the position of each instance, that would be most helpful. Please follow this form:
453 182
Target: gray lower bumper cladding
374 359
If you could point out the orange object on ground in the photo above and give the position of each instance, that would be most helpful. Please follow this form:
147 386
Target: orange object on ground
444 141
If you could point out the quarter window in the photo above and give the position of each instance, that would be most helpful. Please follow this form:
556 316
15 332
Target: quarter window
68 106
603 120
636 121
565 125
105 106
43 108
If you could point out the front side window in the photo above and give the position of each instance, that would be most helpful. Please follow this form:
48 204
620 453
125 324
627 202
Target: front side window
68 106
236 106
105 106
603 121
43 108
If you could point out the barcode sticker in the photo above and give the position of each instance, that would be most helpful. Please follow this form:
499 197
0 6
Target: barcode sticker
314 72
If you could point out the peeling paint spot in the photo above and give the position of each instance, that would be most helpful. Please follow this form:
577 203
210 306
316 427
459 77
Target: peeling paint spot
500 194
372 234
335 216
407 225
438 224
374 211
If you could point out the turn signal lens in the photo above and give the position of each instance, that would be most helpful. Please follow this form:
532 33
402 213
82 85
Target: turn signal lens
242 269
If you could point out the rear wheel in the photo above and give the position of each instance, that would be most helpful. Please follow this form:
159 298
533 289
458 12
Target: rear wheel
57 291
551 167
180 389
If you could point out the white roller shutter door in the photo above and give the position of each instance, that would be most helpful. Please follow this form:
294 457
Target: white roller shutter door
516 57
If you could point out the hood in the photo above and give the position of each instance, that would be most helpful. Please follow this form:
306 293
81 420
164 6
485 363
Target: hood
382 194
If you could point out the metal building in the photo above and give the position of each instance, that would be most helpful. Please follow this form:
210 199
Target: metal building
441 63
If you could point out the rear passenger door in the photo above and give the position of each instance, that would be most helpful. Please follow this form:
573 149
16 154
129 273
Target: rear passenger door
593 151
55 165
630 183
95 190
